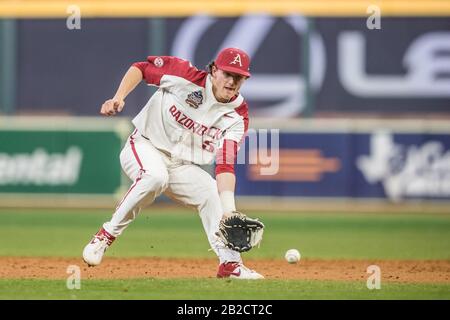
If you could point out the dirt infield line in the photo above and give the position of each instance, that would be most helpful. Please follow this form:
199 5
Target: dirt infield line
427 271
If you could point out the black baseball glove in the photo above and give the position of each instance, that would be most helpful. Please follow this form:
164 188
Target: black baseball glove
239 232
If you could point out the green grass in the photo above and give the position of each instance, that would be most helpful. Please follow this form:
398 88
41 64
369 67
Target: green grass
187 289
179 233
165 234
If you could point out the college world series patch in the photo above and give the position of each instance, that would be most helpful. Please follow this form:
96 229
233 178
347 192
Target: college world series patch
194 99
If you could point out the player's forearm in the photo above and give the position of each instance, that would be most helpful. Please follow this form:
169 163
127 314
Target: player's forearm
129 81
226 183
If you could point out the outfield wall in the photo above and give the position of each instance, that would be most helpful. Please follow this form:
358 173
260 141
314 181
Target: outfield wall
71 162
377 160
59 161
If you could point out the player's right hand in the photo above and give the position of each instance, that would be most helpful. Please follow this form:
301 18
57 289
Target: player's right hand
111 107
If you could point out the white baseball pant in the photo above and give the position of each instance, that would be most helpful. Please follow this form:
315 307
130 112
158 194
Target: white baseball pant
153 173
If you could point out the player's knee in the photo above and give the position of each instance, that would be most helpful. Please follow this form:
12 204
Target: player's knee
208 194
155 181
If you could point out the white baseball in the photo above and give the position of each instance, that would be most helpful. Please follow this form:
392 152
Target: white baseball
292 256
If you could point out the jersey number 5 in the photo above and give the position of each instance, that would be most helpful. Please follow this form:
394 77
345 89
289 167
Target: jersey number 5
208 146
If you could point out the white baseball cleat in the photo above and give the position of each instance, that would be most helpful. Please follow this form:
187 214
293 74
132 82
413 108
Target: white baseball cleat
94 250
237 270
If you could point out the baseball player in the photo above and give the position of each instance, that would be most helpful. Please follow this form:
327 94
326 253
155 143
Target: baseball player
196 117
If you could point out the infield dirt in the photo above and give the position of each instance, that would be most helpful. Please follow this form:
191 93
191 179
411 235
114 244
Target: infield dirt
408 271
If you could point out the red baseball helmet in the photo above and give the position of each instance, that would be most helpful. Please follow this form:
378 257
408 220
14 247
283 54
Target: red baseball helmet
233 60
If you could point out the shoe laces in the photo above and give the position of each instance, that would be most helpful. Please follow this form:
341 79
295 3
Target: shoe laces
102 236
103 243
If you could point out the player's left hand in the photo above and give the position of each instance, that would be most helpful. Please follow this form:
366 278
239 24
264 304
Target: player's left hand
239 232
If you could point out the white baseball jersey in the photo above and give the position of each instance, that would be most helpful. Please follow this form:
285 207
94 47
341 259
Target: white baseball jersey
184 122
183 117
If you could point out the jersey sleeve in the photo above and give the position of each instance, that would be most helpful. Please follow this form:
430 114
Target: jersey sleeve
156 67
226 155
